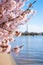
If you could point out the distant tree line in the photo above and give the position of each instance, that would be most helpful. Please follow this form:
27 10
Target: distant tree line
32 33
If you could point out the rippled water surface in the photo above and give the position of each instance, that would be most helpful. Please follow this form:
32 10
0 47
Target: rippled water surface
32 53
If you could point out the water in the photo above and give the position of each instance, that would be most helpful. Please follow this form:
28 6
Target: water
32 53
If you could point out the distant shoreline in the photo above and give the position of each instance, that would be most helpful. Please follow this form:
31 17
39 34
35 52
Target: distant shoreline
32 33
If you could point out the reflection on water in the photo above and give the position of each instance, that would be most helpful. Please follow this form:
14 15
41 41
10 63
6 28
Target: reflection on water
32 54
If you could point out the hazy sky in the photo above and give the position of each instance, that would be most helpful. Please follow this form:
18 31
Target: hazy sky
36 23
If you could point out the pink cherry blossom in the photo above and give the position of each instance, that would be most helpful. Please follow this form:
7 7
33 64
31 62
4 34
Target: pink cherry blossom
12 16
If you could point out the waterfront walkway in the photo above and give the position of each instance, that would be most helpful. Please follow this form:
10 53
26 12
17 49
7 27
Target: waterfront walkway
6 59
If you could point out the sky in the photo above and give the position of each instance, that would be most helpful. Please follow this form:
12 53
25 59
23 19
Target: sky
36 23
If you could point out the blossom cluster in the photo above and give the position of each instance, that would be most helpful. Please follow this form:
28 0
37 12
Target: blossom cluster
11 16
